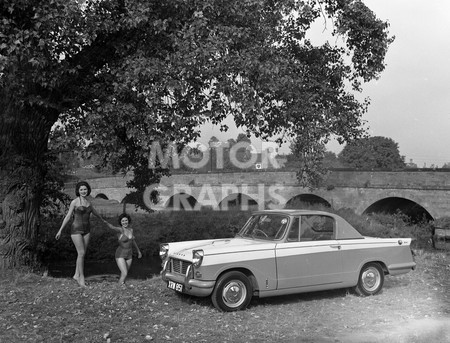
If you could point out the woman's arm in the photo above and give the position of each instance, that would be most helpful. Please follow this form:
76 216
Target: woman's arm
137 248
95 213
112 227
66 219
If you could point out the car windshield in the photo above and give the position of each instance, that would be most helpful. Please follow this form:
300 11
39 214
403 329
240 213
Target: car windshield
265 226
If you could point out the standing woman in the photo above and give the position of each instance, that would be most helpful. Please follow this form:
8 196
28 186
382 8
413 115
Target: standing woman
124 253
81 210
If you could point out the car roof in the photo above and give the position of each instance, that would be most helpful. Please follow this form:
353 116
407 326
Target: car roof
343 229
294 212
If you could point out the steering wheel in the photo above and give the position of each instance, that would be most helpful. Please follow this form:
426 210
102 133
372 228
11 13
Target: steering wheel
259 231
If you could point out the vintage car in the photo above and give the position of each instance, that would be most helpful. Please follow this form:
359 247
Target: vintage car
280 252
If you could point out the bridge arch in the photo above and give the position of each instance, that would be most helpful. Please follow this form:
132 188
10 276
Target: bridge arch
182 201
300 200
101 196
238 200
395 204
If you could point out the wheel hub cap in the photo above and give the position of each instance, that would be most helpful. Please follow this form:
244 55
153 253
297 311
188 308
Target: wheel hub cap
371 279
234 293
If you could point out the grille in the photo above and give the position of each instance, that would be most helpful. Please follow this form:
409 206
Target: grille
179 266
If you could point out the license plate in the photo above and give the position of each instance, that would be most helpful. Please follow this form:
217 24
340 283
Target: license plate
175 286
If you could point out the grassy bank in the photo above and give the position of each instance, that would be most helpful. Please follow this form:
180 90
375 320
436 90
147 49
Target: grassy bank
411 308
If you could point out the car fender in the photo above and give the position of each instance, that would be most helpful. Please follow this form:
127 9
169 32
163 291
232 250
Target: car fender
263 270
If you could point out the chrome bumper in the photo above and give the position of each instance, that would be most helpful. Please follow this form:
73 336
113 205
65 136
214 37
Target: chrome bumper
401 268
191 286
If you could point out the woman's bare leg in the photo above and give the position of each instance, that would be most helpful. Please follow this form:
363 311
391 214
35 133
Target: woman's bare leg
81 243
123 266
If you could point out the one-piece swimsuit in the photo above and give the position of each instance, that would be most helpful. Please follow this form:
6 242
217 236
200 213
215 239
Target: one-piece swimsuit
81 224
124 249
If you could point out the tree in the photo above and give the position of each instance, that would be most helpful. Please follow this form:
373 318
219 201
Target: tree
242 137
68 154
412 165
373 153
213 141
309 156
123 74
330 160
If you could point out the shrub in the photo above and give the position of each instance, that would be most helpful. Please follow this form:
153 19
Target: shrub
443 222
149 229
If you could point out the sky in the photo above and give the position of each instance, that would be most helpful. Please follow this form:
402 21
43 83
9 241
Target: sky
410 102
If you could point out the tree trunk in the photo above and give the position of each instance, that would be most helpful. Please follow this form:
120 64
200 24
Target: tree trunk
23 146
19 232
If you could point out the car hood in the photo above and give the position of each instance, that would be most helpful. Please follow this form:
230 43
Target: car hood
183 250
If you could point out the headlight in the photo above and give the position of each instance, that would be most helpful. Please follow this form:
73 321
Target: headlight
197 257
163 251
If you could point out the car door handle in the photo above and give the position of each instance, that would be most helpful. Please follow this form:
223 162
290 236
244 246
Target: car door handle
336 246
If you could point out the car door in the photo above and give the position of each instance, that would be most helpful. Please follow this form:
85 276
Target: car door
310 255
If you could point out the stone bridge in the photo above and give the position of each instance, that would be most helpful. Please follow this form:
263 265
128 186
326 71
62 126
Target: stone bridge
419 192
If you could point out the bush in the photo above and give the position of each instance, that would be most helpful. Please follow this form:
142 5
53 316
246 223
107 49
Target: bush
443 223
149 229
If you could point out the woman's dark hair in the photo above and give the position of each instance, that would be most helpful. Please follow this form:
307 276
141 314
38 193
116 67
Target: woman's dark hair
124 215
79 184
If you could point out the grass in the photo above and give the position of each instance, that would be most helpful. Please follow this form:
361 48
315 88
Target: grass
414 307
33 308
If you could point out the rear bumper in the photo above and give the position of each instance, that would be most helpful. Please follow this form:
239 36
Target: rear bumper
401 268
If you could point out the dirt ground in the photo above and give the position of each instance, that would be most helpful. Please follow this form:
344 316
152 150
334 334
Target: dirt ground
414 307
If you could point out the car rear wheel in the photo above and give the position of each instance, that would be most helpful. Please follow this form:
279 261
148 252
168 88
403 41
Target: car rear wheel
371 280
233 292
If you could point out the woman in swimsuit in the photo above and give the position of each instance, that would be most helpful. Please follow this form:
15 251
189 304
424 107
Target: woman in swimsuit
124 252
81 210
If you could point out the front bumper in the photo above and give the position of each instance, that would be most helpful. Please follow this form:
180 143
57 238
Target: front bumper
198 288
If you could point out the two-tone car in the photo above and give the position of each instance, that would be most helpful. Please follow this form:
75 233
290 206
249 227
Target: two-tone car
279 252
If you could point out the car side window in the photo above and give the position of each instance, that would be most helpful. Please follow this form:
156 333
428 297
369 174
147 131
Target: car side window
294 231
316 228
266 226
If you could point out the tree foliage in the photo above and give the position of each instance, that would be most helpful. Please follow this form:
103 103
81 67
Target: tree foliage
122 74
373 153
232 155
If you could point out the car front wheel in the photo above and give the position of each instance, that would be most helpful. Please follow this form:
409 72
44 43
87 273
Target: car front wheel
233 292
371 279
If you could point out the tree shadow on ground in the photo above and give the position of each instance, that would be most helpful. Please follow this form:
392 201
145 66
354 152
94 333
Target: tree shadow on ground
271 301
301 297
